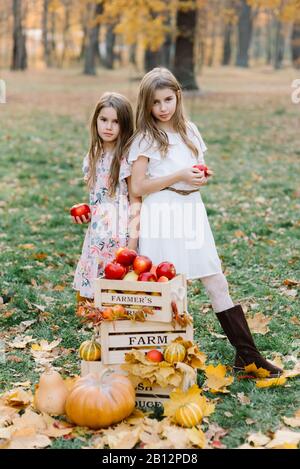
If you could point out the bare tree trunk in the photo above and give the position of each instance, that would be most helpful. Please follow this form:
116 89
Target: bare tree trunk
45 38
65 40
244 34
19 57
227 44
184 61
279 45
269 40
295 44
151 59
132 54
257 46
92 47
161 57
213 46
52 39
110 44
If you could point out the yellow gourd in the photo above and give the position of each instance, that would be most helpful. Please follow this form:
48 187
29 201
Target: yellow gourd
188 415
51 393
174 352
90 350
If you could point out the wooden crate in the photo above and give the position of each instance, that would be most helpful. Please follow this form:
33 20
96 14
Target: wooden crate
146 398
119 337
134 295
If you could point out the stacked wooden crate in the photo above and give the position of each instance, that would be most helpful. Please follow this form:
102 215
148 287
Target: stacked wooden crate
156 332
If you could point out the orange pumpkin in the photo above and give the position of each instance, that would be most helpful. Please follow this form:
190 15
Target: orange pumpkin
175 352
100 400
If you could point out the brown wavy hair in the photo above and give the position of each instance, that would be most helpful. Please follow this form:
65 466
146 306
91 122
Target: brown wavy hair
159 78
124 112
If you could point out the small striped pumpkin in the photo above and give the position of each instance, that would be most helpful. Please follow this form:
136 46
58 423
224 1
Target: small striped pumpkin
174 352
90 350
188 415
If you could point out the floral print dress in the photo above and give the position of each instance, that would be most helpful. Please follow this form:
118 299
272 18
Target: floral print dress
108 228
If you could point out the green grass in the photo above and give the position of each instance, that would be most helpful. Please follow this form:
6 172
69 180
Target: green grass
254 153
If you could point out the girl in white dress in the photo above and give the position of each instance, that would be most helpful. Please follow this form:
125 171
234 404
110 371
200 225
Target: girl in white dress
173 222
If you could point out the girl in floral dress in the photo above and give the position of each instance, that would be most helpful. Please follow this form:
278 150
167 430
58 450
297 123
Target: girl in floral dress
107 174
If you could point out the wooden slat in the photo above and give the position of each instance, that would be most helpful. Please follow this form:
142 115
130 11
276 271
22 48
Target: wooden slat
142 339
148 326
127 299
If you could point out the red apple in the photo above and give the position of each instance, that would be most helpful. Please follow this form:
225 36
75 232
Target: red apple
142 264
125 256
147 277
166 269
163 278
155 356
114 271
79 210
202 167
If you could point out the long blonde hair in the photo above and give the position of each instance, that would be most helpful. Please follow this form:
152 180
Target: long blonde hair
160 78
125 118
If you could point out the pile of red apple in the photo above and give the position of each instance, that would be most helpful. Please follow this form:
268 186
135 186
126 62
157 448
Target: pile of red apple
128 265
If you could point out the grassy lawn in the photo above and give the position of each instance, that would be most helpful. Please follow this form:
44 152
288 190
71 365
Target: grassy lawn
252 131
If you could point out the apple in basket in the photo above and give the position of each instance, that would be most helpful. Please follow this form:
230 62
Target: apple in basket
166 269
163 278
80 209
147 277
142 264
155 356
114 271
202 167
125 256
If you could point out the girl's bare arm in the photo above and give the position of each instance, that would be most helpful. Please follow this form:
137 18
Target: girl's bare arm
134 216
143 185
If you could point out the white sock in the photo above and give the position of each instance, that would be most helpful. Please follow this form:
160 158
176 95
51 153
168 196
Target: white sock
216 287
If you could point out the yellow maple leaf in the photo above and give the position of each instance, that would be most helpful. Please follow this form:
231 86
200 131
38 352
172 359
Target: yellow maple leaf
270 382
216 379
195 358
258 372
18 397
197 437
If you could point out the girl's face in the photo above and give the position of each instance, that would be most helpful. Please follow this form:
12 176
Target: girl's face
107 125
164 104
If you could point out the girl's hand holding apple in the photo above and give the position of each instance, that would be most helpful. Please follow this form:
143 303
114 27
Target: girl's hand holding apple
82 219
80 213
193 177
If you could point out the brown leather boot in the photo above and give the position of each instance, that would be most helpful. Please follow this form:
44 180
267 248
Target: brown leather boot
236 328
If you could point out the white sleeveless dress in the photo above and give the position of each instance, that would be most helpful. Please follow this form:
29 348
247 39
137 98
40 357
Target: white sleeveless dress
175 227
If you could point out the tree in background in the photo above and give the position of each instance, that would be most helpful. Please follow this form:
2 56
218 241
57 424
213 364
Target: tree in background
91 49
19 55
184 62
245 23
282 12
295 43
230 19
